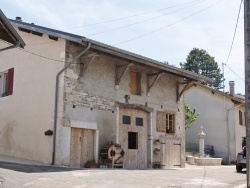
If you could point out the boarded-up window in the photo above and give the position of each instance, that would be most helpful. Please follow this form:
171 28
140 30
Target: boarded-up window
161 121
240 118
135 83
165 122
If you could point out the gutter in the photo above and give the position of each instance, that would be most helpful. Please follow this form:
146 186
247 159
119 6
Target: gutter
56 99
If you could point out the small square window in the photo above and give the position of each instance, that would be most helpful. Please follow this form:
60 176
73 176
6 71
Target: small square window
139 121
132 140
126 120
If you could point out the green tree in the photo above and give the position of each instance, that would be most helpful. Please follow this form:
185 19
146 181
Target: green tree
190 115
200 62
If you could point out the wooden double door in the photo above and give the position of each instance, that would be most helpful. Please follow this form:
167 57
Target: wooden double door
81 146
133 137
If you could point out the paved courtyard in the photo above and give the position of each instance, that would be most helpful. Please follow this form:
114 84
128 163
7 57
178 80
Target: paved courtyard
29 175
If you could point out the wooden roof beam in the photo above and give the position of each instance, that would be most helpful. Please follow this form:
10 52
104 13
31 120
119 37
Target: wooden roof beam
151 79
120 70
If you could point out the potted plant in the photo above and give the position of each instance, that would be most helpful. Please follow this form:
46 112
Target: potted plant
157 151
91 164
156 164
157 141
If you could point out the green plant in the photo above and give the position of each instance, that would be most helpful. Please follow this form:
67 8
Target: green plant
190 115
92 161
91 164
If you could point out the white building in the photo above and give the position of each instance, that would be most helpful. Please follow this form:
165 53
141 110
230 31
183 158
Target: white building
222 116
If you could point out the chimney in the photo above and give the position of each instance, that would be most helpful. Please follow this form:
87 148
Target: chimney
18 18
231 88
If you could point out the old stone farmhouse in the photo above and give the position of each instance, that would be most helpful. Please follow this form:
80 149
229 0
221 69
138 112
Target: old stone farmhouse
72 96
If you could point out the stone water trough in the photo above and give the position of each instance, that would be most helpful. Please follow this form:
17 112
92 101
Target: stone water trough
202 160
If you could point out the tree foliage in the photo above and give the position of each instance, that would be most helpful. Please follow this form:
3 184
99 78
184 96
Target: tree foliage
190 115
200 62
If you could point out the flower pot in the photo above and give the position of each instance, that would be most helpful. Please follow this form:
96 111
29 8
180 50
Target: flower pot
157 151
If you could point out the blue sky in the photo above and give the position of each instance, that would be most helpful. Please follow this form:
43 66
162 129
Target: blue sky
164 30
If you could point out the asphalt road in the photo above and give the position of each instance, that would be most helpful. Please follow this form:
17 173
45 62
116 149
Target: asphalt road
23 175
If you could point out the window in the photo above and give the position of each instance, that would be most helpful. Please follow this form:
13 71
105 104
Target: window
135 83
138 121
6 82
166 122
240 118
169 123
132 140
126 120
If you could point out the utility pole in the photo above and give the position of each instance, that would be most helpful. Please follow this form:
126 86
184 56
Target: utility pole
247 81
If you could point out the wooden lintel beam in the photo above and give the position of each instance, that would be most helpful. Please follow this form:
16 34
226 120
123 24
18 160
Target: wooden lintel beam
118 69
157 76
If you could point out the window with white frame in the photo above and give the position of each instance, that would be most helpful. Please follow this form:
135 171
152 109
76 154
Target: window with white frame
6 82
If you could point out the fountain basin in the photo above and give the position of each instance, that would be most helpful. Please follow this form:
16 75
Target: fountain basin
206 161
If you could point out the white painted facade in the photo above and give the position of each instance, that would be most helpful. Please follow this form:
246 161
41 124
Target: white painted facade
219 116
28 112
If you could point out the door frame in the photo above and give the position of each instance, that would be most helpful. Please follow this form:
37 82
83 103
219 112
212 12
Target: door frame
88 125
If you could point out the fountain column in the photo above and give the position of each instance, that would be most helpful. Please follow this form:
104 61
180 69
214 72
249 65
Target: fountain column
201 137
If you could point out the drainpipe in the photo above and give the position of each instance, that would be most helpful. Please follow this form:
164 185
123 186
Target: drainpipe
56 99
228 131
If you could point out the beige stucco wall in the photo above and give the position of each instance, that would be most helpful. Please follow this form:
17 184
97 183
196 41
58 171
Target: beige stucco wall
28 113
220 118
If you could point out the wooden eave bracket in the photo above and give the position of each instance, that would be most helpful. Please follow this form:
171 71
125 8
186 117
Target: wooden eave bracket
85 65
188 85
120 70
151 79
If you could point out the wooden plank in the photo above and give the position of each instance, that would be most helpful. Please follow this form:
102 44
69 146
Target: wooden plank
161 121
87 145
75 147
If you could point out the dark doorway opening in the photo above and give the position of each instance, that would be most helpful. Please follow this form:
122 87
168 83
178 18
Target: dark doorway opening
132 140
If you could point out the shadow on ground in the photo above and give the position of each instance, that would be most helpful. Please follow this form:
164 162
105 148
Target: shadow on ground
27 168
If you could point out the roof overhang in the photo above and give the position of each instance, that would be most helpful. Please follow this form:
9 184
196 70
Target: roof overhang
95 45
8 32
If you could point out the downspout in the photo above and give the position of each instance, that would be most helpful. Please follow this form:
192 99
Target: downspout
56 99
228 131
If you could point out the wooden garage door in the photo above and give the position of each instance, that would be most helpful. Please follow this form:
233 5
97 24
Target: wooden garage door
81 147
133 135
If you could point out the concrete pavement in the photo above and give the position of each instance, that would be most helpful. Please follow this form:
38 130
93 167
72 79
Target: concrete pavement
33 175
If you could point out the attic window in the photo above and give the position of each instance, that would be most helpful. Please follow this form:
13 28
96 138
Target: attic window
135 83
